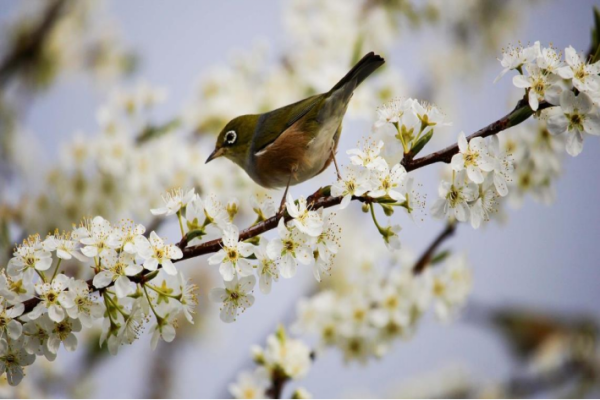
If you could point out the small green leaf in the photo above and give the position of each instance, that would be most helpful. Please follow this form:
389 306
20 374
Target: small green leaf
439 257
595 49
191 235
253 240
280 334
153 132
421 143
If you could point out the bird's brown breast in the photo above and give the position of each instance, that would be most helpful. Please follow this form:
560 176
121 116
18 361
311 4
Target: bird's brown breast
294 157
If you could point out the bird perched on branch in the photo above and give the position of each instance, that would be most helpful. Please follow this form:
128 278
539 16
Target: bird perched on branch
294 143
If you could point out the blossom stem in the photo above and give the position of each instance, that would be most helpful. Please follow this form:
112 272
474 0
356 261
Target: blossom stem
157 290
180 223
106 301
41 275
401 137
379 228
56 269
116 306
158 318
414 141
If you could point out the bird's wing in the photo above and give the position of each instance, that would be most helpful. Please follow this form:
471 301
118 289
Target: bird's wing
272 124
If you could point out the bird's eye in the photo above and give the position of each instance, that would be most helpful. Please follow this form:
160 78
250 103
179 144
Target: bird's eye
230 137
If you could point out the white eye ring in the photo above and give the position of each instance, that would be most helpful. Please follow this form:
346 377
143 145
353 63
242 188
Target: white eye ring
230 137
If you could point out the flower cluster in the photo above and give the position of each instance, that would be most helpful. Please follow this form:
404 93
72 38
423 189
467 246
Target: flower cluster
308 238
481 172
366 318
572 84
538 157
370 175
410 122
125 291
120 169
281 360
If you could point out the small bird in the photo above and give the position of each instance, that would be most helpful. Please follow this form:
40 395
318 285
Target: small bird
294 143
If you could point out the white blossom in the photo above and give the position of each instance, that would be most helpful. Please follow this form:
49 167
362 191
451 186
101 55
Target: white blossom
36 334
576 116
16 289
503 172
267 269
369 156
62 332
250 385
31 255
174 200
540 86
65 247
9 325
288 249
117 270
124 236
155 252
451 287
163 329
474 157
53 299
12 360
187 300
388 182
98 243
517 57
454 198
327 248
236 295
264 209
585 76
292 356
549 60
484 205
232 256
355 182
391 237
429 115
84 307
306 221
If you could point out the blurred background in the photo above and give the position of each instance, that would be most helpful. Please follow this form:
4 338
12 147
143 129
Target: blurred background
105 105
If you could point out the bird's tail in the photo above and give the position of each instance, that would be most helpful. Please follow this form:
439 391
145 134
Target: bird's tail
361 71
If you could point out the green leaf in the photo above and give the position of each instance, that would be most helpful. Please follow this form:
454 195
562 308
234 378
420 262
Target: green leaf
153 132
595 49
191 235
439 257
280 333
421 143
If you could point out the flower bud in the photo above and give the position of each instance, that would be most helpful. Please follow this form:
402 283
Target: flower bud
232 209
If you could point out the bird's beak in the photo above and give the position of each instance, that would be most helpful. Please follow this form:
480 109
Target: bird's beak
215 154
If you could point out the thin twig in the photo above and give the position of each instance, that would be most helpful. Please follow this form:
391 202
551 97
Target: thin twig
29 49
425 259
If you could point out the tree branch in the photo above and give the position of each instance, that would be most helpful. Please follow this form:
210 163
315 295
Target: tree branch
426 257
322 199
520 113
278 380
28 50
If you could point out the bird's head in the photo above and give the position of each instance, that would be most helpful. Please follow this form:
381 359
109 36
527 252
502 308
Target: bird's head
235 139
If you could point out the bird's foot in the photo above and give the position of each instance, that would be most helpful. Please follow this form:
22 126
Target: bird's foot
337 169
